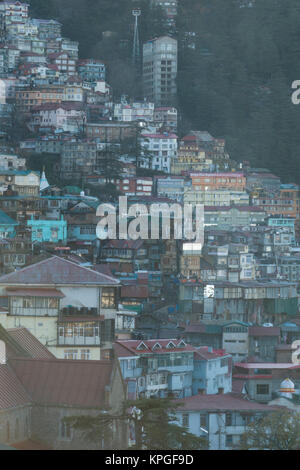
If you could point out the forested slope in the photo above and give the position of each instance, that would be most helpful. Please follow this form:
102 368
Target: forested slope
236 83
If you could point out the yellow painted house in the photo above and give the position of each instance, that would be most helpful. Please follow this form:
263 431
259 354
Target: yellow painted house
69 308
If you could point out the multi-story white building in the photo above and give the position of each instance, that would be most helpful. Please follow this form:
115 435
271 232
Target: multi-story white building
160 70
161 148
216 197
12 162
134 111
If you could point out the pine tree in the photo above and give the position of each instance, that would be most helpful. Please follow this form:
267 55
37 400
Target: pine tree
157 428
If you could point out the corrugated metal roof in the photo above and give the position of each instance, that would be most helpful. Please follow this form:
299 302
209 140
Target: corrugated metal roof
12 392
131 347
221 403
29 343
138 292
34 293
56 270
64 382
263 331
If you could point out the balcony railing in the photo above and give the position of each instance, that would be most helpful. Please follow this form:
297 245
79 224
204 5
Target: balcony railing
36 312
78 336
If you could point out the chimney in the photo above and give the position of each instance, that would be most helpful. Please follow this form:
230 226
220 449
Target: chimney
2 352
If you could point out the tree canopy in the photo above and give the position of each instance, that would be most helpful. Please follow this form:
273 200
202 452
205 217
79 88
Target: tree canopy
276 431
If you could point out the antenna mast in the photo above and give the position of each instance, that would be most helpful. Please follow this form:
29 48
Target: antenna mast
136 41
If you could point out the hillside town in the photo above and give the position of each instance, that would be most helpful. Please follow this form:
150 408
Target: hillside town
88 324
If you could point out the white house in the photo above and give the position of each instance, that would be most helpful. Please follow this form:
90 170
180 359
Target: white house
162 148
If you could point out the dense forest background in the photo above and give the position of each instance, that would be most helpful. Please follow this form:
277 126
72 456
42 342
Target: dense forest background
235 82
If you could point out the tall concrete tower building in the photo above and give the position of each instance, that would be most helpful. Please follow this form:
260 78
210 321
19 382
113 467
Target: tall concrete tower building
160 70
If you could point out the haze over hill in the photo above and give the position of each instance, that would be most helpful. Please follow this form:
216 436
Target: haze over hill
234 77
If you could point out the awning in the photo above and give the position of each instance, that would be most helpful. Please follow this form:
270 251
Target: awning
34 293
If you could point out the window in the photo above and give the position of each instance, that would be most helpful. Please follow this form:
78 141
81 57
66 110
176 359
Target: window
28 302
262 389
108 298
71 354
228 419
65 430
85 354
185 420
203 420
17 429
229 440
7 432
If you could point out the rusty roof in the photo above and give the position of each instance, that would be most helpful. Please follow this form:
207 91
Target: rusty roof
138 292
263 331
57 271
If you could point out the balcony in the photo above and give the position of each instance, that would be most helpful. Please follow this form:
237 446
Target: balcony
76 335
34 312
83 312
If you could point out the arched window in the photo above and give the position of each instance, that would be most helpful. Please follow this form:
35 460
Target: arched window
26 427
7 432
2 352
17 429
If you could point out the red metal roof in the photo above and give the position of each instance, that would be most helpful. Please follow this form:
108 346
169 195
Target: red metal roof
160 136
224 402
130 347
205 354
64 382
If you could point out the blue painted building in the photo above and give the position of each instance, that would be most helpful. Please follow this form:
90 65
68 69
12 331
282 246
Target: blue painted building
157 367
53 231
212 371
221 418
7 226
279 221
